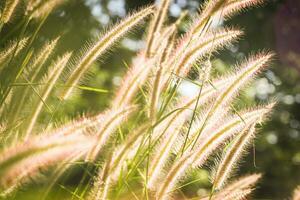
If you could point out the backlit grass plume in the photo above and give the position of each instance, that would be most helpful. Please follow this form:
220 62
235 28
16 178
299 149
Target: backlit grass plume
296 194
39 9
8 10
151 136
239 189
12 48
231 157
51 78
22 161
209 143
156 25
102 45
32 76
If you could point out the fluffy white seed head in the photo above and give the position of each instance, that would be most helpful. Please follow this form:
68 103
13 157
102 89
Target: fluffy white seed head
51 79
40 9
133 80
205 148
156 26
100 47
23 160
231 158
108 122
8 51
189 53
8 10
242 77
296 194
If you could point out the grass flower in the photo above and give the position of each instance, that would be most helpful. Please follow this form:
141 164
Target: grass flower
102 45
8 10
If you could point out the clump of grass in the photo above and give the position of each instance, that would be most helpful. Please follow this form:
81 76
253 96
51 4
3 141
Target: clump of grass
117 147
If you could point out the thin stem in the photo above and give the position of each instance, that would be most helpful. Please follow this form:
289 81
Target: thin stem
193 117
1 25
212 192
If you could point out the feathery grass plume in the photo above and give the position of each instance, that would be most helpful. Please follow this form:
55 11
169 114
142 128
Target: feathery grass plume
205 72
79 126
135 77
160 71
172 28
229 127
296 194
208 92
39 9
92 125
205 45
101 47
10 72
2 128
115 163
8 10
51 79
155 93
156 26
127 148
212 10
235 6
168 34
232 156
108 123
169 133
204 76
58 170
245 182
32 75
24 161
101 185
203 22
130 146
8 51
19 151
164 46
29 169
186 105
206 147
40 59
246 73
30 5
239 194
237 187
218 10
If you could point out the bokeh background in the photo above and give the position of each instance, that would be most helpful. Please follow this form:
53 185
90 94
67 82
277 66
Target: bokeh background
274 26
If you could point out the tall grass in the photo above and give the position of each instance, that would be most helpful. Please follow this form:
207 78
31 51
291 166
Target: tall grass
169 134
